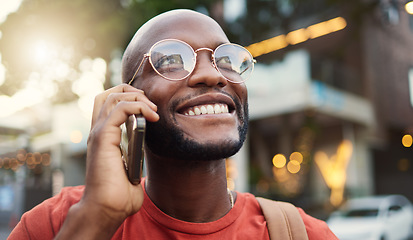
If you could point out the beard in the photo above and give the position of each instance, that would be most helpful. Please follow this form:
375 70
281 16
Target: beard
168 141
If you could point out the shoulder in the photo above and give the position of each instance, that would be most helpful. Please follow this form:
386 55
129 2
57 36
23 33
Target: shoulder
57 206
44 220
69 195
248 202
316 229
60 203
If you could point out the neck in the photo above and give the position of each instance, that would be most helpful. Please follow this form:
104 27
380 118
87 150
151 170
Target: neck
193 191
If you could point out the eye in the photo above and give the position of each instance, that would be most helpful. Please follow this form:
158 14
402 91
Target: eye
167 63
224 62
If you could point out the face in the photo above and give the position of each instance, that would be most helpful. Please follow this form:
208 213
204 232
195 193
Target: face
180 134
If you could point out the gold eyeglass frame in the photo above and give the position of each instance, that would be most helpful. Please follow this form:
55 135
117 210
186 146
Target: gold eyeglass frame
147 55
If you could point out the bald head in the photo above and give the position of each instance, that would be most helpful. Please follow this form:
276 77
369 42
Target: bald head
178 24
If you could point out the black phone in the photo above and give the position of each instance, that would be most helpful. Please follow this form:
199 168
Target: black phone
132 141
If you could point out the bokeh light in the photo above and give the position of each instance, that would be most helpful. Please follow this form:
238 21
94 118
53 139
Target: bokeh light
22 157
403 165
296 156
409 7
407 140
279 161
76 136
293 166
7 7
2 72
297 36
334 169
231 173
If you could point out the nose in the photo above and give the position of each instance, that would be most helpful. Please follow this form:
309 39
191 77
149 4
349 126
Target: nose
205 72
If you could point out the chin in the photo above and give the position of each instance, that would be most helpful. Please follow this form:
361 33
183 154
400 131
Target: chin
169 142
191 150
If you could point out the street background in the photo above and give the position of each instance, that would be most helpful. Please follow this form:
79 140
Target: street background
330 98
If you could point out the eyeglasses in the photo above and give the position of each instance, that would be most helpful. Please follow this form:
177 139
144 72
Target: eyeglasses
175 60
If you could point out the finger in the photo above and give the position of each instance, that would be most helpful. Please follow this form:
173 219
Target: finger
123 109
115 98
109 130
101 99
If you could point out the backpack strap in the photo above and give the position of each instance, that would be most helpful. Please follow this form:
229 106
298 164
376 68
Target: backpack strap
284 222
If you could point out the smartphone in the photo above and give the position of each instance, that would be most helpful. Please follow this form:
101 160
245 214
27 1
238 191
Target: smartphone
132 141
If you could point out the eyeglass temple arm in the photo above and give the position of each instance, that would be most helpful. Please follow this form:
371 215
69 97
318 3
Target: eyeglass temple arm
137 70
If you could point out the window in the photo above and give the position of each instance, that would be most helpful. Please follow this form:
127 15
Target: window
395 208
362 213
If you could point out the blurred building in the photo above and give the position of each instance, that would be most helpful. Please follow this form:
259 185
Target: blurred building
335 90
42 149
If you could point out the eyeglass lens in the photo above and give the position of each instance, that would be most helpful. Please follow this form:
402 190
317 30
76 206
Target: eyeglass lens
175 60
172 59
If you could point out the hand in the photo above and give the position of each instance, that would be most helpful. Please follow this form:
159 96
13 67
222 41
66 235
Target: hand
106 182
109 198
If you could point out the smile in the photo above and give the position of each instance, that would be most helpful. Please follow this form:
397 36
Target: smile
216 108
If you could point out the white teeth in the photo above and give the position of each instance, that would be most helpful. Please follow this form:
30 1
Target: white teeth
217 108
204 110
224 109
207 109
210 109
197 111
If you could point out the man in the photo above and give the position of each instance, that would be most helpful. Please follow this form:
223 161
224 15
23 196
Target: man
187 81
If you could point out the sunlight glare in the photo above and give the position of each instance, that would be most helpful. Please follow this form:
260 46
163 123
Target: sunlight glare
409 7
43 52
23 98
7 7
2 73
90 82
99 67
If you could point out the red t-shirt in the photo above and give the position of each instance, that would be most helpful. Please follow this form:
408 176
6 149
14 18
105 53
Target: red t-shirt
244 221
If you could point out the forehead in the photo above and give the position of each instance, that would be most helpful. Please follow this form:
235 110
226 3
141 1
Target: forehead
195 29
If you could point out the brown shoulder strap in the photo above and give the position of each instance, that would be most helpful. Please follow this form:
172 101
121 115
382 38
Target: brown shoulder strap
284 222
